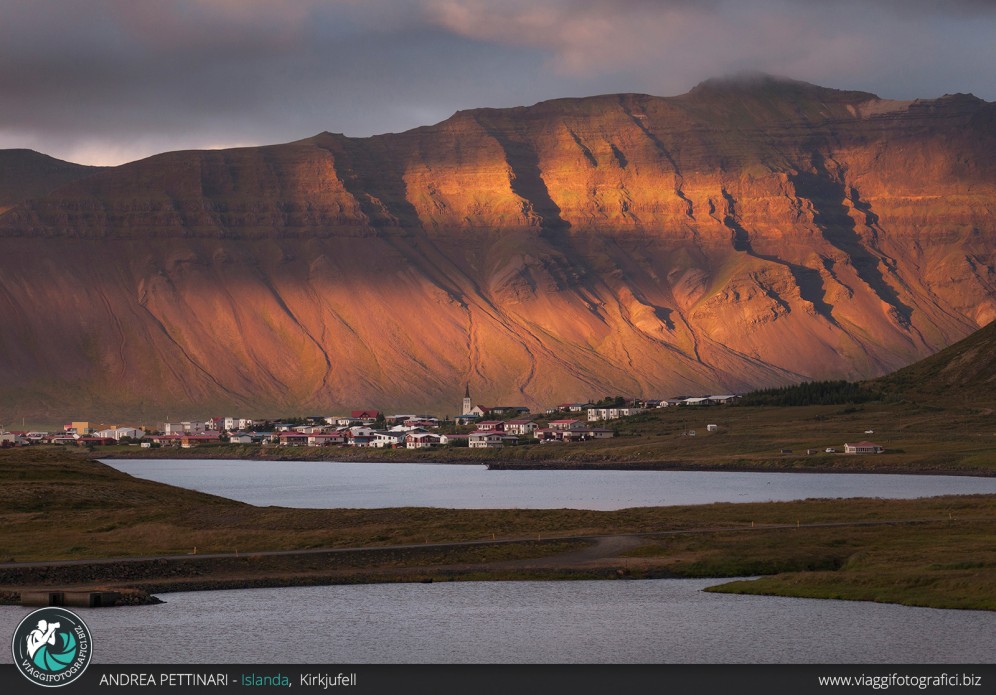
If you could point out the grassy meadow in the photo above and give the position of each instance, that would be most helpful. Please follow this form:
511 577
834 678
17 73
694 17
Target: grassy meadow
62 505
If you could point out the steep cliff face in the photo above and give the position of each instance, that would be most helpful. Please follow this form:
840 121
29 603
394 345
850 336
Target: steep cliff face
744 234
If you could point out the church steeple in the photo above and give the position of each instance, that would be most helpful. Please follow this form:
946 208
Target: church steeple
467 405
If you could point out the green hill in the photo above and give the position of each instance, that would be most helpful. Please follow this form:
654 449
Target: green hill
962 373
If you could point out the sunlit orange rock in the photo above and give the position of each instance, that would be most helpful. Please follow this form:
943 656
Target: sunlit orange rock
747 233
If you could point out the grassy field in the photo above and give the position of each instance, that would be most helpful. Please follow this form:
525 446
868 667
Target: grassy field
917 438
56 504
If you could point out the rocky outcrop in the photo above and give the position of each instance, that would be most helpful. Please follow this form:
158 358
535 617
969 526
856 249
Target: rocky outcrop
747 233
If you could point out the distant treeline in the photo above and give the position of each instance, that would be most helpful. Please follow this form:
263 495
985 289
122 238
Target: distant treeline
811 393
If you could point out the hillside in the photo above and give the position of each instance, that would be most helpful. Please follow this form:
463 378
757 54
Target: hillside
25 174
748 233
962 373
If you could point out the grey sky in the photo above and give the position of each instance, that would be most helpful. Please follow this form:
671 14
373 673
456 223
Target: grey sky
107 81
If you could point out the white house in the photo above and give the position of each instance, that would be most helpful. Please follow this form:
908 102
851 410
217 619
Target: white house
485 440
383 440
236 424
698 400
520 427
421 440
863 448
11 439
117 433
490 440
598 414
342 420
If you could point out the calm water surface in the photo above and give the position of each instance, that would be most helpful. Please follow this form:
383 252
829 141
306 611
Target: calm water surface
645 621
321 484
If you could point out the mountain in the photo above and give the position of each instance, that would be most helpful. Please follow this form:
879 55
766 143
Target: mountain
753 232
25 174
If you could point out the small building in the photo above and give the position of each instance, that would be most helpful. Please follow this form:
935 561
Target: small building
565 424
863 448
724 399
598 414
12 439
292 438
505 410
96 441
166 439
389 439
422 440
491 426
581 435
189 441
712 428
486 440
118 433
342 420
520 427
326 439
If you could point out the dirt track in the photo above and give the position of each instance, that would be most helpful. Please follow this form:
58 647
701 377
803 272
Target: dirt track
563 558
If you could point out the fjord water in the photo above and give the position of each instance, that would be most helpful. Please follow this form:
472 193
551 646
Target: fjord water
629 621
327 485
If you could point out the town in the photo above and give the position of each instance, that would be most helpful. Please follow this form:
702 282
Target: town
477 427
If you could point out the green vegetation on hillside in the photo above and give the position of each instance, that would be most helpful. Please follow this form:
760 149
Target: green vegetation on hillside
961 374
811 393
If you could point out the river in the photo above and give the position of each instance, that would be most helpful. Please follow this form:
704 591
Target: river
627 621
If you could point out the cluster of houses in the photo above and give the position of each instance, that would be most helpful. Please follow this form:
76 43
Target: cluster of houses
493 427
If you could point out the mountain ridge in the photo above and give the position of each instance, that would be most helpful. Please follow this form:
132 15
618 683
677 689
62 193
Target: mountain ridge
566 250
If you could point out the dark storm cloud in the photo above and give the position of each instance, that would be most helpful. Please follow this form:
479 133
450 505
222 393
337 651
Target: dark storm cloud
109 80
